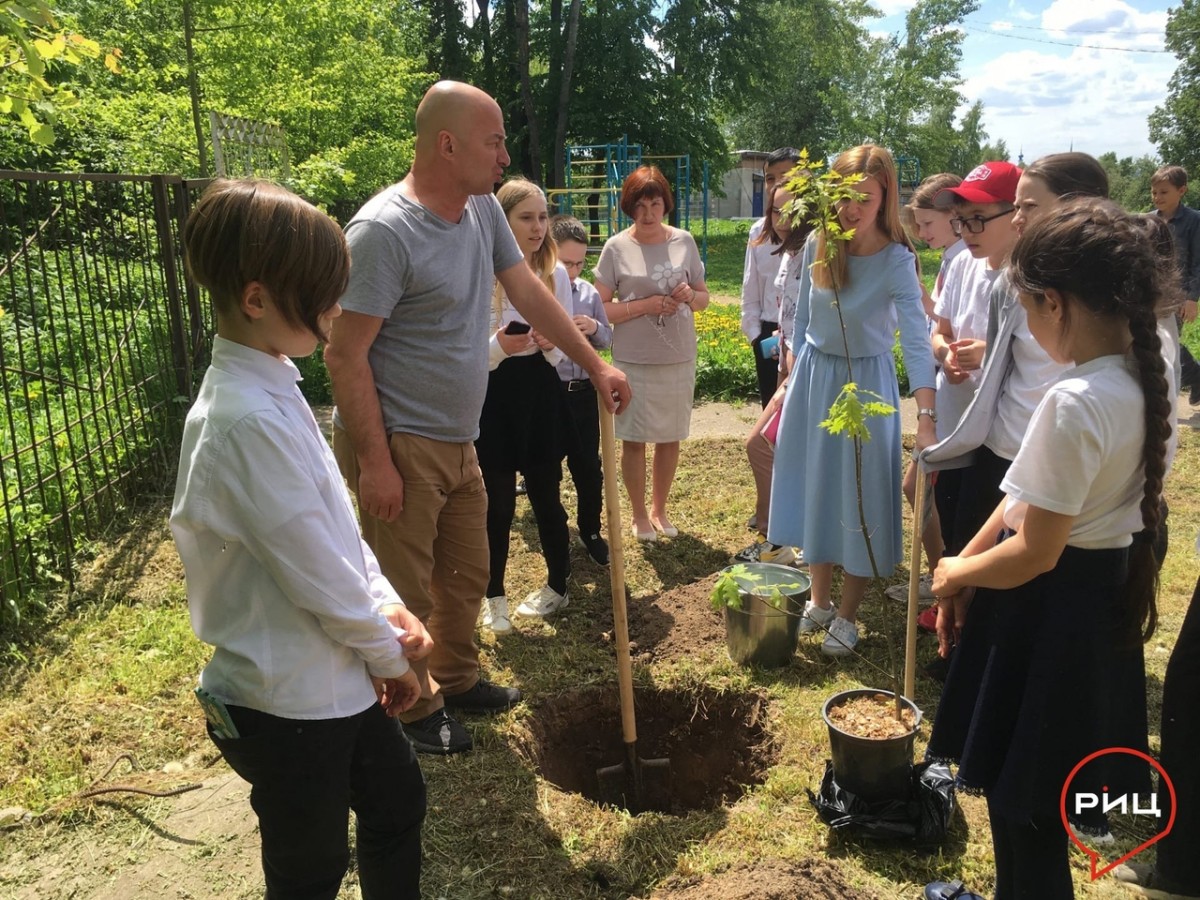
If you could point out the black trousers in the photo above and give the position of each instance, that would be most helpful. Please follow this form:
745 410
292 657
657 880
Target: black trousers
542 489
1031 858
583 455
305 777
767 369
1176 863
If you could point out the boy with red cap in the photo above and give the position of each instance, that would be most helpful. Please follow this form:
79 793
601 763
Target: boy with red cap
983 207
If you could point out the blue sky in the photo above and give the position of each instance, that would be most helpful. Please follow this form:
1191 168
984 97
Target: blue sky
1065 73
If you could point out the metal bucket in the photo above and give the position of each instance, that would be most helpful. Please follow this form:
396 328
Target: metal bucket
761 634
873 768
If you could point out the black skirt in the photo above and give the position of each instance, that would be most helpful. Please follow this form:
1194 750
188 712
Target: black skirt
523 422
1041 679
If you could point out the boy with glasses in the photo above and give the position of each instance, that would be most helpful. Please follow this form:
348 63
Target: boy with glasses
583 446
983 206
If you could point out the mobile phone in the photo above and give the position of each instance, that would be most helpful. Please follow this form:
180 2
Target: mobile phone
515 327
217 715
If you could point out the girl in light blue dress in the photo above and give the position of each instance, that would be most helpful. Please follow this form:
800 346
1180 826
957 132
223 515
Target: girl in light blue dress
814 495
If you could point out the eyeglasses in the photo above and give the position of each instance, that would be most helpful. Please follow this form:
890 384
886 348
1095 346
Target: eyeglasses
573 265
975 224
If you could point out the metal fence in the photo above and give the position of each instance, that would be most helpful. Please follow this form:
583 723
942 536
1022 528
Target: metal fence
101 343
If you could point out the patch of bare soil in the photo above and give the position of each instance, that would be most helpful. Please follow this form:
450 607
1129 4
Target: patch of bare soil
809 879
205 845
716 743
671 625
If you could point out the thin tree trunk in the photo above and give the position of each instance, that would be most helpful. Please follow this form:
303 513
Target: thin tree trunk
194 88
483 23
564 97
535 150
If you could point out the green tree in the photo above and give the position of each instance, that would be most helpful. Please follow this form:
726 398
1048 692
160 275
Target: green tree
342 78
1175 126
807 71
914 74
1129 179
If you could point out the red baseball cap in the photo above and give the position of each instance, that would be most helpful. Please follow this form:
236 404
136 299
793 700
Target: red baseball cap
989 182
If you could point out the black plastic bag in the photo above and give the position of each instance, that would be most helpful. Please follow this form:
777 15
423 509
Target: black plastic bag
924 818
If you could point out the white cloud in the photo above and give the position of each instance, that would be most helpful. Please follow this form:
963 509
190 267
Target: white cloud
893 7
1108 23
1002 26
1097 101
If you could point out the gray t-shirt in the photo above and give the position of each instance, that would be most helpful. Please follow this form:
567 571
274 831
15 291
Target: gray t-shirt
431 282
634 271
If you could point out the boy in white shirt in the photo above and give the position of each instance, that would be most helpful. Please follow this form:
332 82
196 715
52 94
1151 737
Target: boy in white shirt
312 644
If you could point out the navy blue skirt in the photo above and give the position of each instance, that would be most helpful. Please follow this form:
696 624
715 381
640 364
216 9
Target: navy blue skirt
522 425
1041 678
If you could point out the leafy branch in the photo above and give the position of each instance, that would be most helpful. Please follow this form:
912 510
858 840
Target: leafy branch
30 40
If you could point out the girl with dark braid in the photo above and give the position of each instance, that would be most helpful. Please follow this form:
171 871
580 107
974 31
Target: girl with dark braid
1057 551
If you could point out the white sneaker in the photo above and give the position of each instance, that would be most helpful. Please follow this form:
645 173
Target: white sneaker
842 638
542 602
495 615
815 617
899 592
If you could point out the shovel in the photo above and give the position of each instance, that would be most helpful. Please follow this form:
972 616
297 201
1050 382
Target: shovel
921 503
636 784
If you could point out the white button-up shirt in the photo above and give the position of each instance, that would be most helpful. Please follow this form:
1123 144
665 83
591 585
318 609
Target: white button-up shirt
279 579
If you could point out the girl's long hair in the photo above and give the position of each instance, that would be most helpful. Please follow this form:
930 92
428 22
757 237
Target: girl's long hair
511 193
801 229
1100 258
872 161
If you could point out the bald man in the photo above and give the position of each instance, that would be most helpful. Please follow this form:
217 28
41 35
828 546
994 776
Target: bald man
408 359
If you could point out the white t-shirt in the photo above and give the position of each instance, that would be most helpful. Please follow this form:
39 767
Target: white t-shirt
1033 371
950 254
963 301
1082 455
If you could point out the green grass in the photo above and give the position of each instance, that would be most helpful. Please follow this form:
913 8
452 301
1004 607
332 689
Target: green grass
115 671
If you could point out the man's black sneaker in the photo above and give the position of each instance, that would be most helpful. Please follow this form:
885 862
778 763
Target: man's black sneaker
484 697
597 548
438 733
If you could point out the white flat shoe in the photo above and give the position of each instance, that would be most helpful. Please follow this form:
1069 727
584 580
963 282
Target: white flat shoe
648 537
667 529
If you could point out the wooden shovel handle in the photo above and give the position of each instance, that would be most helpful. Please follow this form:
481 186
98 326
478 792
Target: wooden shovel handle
616 565
914 583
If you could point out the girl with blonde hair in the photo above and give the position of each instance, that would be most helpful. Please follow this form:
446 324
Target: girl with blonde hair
520 428
814 492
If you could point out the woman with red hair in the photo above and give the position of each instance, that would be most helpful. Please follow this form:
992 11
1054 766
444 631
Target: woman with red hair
651 280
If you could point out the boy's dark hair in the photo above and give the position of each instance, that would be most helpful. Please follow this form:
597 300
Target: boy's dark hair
783 154
1071 175
245 230
1100 257
568 228
1176 176
922 197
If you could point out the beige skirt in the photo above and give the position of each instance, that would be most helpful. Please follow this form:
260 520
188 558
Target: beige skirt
661 409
